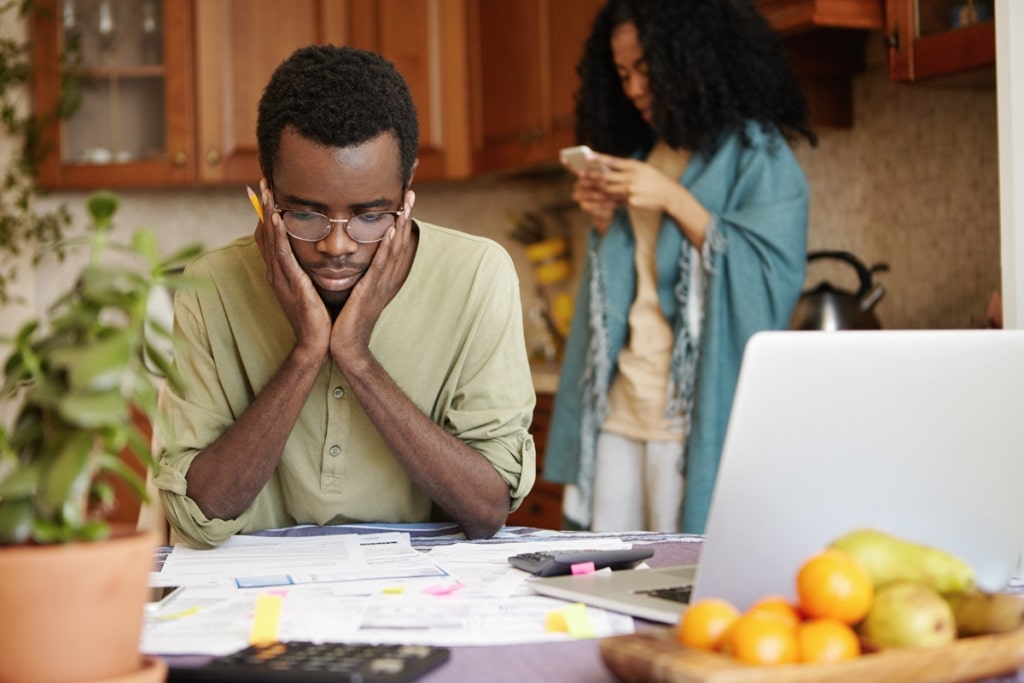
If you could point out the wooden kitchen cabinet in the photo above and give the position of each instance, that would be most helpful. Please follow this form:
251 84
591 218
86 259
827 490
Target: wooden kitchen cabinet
928 38
789 17
238 44
542 507
493 83
824 40
523 78
134 125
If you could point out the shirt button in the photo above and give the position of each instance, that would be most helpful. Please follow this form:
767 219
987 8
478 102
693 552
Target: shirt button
335 451
338 392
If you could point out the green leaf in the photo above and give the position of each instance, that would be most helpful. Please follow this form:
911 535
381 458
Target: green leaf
16 518
22 482
67 481
182 256
49 531
121 469
144 243
161 364
103 494
99 366
110 286
96 530
102 206
93 409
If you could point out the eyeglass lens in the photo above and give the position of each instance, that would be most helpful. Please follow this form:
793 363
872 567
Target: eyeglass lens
312 226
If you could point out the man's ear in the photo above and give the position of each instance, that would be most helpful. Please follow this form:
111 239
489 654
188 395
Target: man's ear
410 200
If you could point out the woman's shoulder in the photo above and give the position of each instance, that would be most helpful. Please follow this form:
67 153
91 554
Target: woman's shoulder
754 137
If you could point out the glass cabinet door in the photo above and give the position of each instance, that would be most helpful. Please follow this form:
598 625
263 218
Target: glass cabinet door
128 60
928 38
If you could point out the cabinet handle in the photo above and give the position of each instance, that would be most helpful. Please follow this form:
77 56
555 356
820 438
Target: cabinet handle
212 156
892 41
180 158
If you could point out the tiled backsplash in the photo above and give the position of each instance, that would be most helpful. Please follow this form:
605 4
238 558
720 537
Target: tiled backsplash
913 184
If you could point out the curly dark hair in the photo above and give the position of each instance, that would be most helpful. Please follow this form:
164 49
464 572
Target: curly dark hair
337 96
713 65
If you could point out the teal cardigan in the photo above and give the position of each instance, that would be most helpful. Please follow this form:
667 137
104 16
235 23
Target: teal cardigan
755 260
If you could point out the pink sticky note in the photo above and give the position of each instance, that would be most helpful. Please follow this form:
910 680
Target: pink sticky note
583 568
442 588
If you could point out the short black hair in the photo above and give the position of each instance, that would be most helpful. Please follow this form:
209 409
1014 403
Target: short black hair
338 97
713 65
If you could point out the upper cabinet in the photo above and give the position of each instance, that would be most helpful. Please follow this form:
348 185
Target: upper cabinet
238 44
825 41
523 78
796 16
928 38
171 86
134 126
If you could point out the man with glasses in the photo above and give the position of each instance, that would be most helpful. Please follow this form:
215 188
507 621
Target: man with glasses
346 363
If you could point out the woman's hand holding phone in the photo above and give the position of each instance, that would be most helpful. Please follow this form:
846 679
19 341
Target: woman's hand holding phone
580 159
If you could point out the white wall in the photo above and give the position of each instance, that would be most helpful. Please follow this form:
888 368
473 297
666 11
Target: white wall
1010 94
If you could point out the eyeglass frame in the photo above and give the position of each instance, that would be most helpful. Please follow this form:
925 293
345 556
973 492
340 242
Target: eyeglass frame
344 223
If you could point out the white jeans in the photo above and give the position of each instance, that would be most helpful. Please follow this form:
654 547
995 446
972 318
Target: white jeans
638 485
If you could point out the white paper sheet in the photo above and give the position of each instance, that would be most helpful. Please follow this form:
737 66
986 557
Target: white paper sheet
361 588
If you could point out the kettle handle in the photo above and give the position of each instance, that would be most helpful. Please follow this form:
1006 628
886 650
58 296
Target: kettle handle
863 273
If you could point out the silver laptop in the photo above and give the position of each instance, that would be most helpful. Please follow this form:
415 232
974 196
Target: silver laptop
918 433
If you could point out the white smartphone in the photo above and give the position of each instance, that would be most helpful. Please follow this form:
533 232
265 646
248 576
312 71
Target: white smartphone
580 158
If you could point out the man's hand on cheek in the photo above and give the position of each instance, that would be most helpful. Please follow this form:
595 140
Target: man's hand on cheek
385 276
294 290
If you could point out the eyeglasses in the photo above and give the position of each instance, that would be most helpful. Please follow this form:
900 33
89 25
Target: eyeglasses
365 228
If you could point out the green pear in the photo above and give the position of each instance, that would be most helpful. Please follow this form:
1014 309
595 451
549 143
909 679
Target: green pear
889 559
906 614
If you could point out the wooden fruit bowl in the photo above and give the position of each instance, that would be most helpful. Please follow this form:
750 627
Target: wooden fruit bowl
653 656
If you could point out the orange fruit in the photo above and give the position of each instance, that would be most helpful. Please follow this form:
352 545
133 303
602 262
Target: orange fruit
778 607
705 623
826 640
759 639
833 584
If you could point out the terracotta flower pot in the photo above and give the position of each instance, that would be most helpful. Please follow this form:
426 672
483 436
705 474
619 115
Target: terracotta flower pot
73 612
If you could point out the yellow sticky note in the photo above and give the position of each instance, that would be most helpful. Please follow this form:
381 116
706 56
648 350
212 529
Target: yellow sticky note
255 201
265 620
578 620
555 622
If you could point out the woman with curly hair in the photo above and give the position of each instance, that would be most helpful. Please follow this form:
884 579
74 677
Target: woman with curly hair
699 213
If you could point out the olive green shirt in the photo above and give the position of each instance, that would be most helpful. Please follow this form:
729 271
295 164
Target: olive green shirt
452 339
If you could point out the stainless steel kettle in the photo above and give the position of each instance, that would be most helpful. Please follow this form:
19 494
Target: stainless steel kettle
825 307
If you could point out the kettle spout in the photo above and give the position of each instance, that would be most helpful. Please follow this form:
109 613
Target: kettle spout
869 300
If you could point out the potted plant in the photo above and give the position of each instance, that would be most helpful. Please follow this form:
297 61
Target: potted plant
74 586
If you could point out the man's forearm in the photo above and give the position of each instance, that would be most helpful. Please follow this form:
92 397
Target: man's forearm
453 474
227 475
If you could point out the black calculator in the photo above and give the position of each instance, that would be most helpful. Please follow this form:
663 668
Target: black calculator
304 662
557 562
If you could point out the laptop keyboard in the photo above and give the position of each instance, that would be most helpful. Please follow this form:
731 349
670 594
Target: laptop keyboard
679 594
